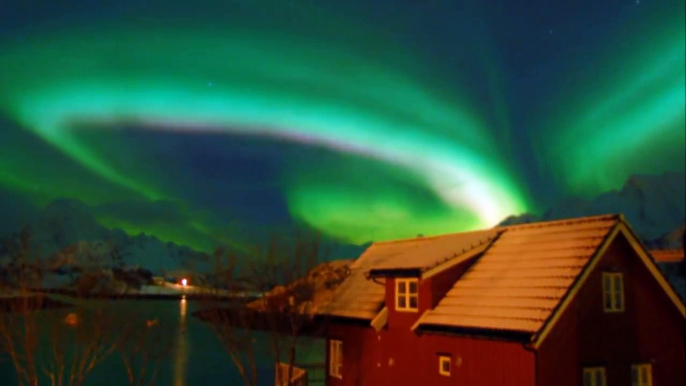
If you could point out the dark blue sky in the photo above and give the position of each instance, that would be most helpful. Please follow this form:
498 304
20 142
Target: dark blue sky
508 103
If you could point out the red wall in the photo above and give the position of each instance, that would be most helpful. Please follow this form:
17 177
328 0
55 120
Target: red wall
585 335
397 356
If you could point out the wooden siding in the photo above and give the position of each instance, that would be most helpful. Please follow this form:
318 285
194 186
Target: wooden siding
398 357
650 330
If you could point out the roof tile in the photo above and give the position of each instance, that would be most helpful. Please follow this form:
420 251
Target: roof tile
515 285
668 255
518 282
361 298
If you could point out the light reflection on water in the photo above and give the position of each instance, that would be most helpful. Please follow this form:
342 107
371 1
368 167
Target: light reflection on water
181 352
197 356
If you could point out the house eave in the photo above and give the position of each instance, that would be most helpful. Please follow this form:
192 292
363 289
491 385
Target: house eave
393 272
478 333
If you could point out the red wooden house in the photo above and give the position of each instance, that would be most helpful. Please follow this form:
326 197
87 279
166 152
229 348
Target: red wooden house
572 302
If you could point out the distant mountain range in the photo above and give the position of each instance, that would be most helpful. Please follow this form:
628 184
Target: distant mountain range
66 227
655 206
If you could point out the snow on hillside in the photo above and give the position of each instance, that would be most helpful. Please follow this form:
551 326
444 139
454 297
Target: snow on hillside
66 229
670 240
653 205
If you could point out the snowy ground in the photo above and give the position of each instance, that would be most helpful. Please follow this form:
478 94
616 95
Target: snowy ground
166 289
178 289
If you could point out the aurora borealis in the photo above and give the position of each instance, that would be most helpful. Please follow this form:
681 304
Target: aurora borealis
191 121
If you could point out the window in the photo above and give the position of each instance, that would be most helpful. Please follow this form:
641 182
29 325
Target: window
336 358
444 365
613 292
406 294
642 375
594 376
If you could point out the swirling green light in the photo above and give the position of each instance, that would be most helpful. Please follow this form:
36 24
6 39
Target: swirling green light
630 120
201 80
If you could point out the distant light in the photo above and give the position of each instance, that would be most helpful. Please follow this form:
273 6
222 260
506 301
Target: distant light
72 319
184 282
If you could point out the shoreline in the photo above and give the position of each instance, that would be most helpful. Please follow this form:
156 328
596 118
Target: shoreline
30 302
137 295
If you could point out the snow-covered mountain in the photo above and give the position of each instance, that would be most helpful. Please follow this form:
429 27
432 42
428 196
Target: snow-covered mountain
672 240
655 206
66 228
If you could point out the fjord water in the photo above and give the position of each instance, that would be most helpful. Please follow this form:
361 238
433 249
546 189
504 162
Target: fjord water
196 358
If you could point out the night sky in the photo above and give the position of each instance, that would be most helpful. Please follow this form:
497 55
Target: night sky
365 120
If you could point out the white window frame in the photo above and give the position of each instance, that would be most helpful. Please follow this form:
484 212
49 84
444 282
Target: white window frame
613 292
593 372
336 358
407 295
444 359
642 374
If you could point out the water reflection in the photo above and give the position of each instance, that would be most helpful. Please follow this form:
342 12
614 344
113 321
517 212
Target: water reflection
181 352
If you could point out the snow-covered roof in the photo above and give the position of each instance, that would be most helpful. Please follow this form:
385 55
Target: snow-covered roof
523 276
424 253
520 280
668 255
359 297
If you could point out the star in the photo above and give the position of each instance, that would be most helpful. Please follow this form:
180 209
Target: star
209 84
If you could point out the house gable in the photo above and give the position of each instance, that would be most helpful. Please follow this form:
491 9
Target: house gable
621 229
519 279
586 335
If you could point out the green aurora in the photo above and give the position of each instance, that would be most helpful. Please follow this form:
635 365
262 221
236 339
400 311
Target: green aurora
421 155
625 118
284 89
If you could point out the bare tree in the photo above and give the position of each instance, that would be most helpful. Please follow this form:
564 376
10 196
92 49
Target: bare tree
293 284
226 315
73 346
62 346
18 328
142 348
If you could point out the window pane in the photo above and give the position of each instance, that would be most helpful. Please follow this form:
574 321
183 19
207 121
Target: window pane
413 287
445 363
599 378
618 282
607 282
588 381
401 287
618 300
340 356
413 301
332 358
634 376
608 301
644 374
402 302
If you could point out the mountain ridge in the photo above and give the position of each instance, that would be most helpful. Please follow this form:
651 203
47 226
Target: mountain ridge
654 206
67 223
